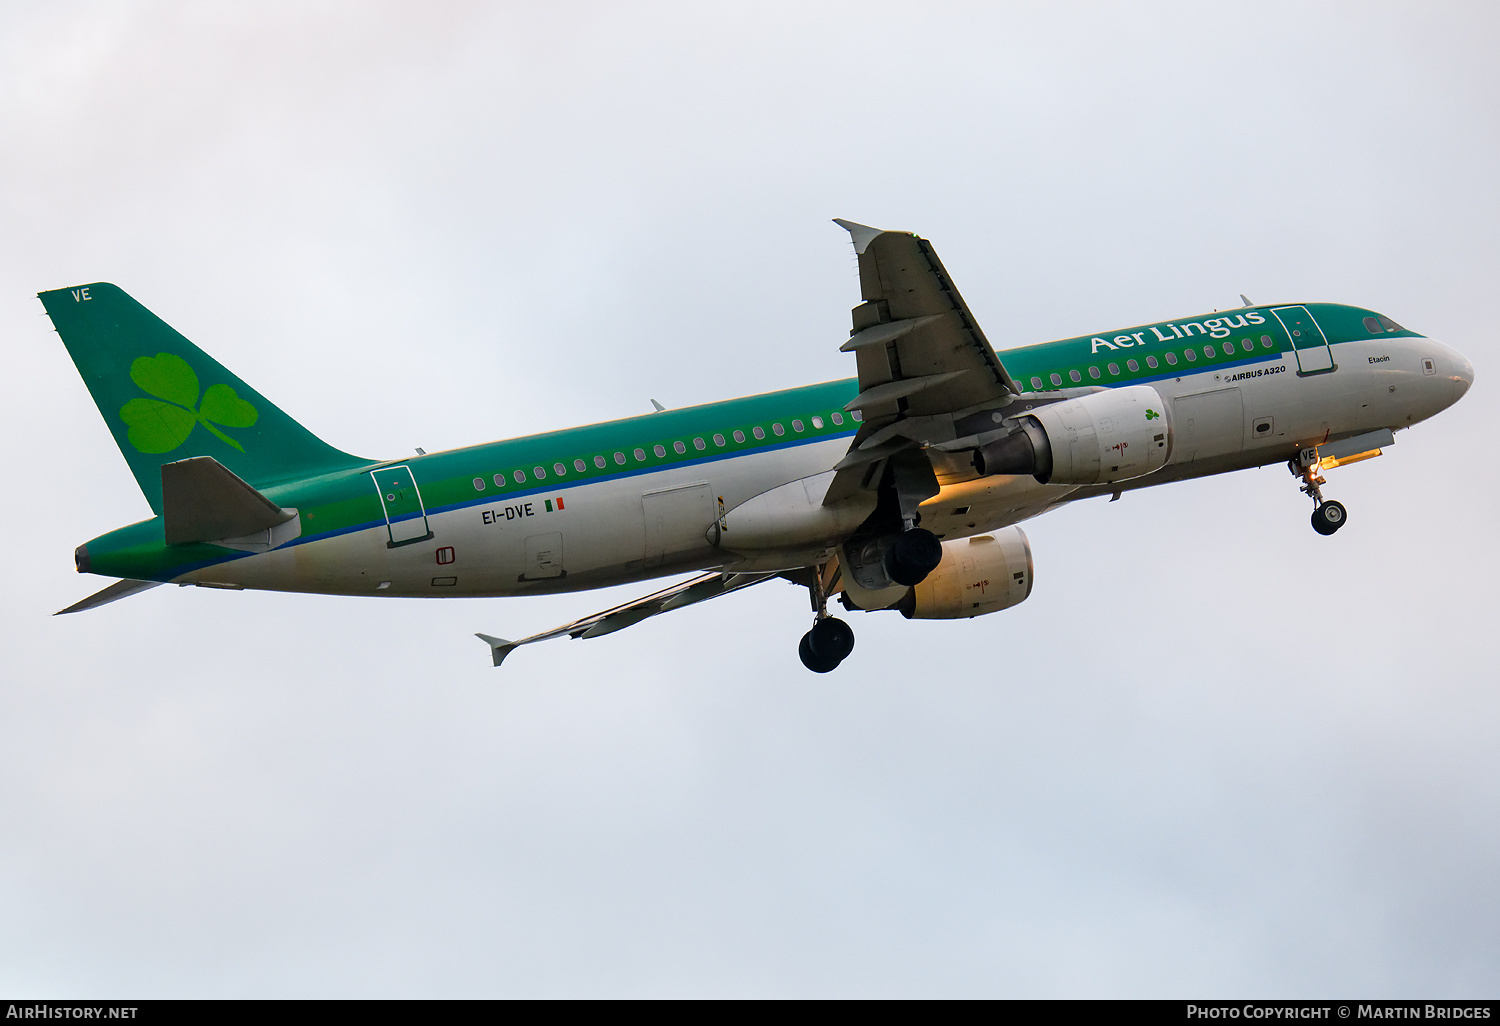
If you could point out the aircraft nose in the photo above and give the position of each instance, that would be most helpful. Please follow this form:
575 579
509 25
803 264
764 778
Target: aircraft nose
1463 375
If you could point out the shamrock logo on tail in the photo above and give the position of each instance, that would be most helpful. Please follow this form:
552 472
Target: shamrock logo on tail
164 423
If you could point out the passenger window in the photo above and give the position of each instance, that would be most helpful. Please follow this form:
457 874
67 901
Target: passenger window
699 444
620 458
1114 368
759 432
1073 374
1172 359
1036 383
1192 357
541 475
559 469
778 429
520 476
580 466
796 425
1132 365
679 448
499 480
719 440
640 455
1228 348
1265 342
817 423
1209 352
858 415
660 451
479 484
1246 344
838 418
1056 379
599 462
1094 373
739 436
1151 362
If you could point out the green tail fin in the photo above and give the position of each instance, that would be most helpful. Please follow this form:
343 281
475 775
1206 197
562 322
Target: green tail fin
164 399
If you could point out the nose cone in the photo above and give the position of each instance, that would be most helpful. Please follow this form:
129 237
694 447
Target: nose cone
1463 376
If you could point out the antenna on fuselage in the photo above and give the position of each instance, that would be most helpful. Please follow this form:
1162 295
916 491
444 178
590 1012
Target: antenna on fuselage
1246 299
659 407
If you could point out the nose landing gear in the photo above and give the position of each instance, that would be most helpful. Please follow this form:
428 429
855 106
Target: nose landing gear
1328 516
831 640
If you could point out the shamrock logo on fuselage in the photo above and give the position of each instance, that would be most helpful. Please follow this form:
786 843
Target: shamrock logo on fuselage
164 423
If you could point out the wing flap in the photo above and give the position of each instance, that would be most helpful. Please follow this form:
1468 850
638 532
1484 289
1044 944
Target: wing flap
922 359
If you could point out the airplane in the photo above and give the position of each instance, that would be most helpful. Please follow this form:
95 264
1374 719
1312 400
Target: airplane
901 489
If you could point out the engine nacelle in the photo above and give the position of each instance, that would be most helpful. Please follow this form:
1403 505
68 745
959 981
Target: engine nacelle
979 575
1107 436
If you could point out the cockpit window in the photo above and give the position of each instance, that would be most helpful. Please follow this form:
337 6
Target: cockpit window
1380 324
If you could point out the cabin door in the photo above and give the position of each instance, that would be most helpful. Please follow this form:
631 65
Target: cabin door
1208 424
677 521
405 518
1313 354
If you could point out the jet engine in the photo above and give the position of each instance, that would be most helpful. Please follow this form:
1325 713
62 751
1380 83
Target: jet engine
1107 436
977 575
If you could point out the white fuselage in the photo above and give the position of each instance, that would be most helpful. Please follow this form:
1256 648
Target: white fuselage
653 524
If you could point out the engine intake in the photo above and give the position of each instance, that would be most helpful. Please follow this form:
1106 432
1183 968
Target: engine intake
1108 436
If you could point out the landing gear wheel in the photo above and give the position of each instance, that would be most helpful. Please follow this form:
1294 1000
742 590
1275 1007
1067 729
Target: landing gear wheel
825 646
914 555
811 660
1329 517
831 638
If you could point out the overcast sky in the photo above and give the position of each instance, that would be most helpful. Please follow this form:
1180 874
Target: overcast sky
1214 753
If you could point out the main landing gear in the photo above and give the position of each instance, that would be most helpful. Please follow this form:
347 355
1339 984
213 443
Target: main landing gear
1328 516
915 553
831 640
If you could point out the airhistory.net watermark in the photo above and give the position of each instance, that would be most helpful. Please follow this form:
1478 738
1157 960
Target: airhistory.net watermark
45 1010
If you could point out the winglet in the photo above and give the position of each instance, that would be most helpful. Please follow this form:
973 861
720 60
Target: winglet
862 234
499 647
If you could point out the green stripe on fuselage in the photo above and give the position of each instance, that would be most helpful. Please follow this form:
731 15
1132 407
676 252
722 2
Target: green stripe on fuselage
345 501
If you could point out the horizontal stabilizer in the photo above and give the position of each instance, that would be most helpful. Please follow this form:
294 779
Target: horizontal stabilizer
202 500
115 592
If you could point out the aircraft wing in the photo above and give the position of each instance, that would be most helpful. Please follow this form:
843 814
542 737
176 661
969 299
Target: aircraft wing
694 589
923 360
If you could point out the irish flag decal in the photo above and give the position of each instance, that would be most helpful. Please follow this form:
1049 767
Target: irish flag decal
549 503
